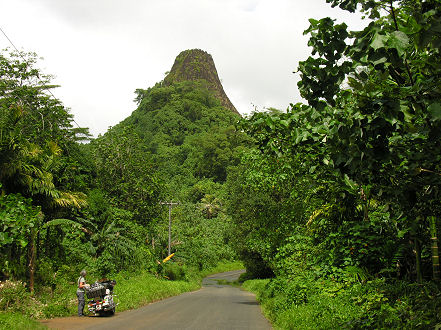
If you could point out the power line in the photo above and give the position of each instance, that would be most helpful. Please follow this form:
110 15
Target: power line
8 39
41 82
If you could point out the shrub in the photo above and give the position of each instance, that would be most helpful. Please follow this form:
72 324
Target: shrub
56 309
245 277
13 296
281 294
303 302
175 272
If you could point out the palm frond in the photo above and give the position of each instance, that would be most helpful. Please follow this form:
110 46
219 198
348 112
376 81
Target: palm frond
317 213
58 222
88 223
67 222
54 148
71 199
31 150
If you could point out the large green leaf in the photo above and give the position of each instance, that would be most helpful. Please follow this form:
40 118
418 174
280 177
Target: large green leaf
400 41
379 41
435 111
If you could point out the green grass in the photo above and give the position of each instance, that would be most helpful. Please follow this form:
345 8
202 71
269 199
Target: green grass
141 289
221 267
316 309
134 291
10 321
308 303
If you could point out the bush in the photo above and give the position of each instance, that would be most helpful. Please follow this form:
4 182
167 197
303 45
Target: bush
303 302
57 309
43 273
245 277
284 293
175 272
397 304
255 265
13 296
66 274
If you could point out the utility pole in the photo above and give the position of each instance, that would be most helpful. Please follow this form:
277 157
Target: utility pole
170 205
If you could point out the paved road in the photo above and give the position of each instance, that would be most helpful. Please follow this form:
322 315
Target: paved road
214 306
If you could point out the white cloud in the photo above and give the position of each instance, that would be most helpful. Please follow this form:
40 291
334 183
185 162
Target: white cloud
102 50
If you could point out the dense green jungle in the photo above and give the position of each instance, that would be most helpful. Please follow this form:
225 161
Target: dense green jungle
333 206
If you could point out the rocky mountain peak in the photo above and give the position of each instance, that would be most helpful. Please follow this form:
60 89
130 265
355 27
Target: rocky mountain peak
196 64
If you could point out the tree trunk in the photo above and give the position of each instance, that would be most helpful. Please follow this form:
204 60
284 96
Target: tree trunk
435 253
418 260
32 255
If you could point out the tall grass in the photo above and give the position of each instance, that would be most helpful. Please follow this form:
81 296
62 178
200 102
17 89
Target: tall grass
10 321
143 288
304 302
288 306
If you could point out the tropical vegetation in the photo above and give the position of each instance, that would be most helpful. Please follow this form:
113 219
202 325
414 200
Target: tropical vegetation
331 205
348 183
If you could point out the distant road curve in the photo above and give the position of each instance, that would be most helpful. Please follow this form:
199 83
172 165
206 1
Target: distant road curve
212 307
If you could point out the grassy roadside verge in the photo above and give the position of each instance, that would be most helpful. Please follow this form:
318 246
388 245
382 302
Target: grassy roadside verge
18 321
139 290
304 302
132 290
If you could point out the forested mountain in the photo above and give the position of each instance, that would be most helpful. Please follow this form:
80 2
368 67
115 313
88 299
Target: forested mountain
182 135
184 125
97 205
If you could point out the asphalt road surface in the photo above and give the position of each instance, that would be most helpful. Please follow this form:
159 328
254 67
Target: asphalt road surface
214 306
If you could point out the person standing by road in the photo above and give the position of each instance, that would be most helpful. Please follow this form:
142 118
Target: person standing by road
81 291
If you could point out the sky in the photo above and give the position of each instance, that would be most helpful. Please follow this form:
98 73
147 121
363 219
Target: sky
100 51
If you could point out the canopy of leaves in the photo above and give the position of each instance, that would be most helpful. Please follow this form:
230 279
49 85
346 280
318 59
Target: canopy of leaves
369 137
188 133
35 131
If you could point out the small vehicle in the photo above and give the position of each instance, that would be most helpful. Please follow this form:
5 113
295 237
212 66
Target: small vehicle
101 296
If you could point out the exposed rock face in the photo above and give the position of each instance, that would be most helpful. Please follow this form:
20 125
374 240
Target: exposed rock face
195 64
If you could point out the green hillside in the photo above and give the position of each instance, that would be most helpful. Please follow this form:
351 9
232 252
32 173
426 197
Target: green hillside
176 146
188 133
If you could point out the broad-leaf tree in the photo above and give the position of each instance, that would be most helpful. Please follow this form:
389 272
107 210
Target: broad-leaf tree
374 109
